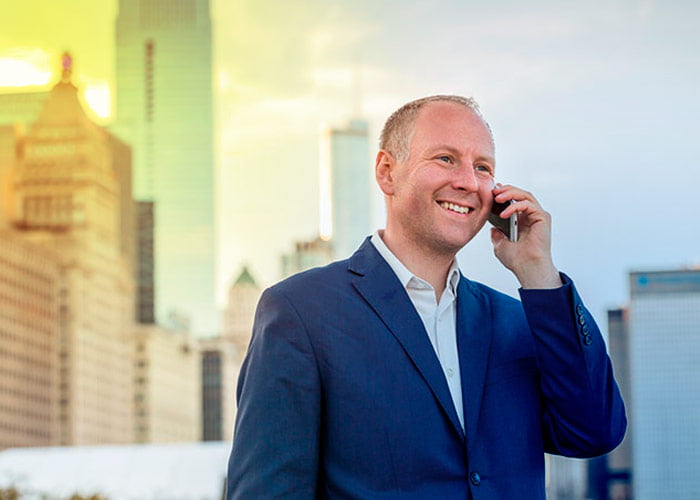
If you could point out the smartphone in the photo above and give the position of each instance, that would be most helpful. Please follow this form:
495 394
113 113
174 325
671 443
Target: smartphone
508 226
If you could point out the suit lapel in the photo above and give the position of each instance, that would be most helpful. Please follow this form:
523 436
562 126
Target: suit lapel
380 287
474 332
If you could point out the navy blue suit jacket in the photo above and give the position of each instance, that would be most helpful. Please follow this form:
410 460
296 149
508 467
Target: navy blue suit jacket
341 394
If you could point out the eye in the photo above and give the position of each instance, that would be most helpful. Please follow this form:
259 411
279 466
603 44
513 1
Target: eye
484 168
445 158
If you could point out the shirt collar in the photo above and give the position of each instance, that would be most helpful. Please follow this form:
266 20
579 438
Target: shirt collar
405 276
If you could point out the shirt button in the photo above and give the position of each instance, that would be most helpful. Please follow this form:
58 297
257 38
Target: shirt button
475 478
450 372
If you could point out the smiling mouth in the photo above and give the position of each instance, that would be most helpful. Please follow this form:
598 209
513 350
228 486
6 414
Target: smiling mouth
455 208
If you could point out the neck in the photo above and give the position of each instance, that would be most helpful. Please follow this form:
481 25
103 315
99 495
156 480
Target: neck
428 264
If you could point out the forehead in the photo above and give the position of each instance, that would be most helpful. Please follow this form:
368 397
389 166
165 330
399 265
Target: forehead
453 124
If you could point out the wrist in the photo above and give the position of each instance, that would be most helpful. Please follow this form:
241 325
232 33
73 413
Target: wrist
543 276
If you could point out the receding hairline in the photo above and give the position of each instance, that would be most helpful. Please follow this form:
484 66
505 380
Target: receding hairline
398 130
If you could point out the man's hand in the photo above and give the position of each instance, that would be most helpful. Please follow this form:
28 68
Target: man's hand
529 258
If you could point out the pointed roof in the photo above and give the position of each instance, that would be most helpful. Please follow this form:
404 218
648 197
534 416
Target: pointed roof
245 278
62 106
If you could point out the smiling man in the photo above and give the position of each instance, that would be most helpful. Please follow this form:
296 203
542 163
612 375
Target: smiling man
391 375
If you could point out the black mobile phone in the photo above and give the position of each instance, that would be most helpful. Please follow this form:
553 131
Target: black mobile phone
508 226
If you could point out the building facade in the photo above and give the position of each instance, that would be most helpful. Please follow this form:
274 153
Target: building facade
664 339
145 263
164 111
70 181
222 358
243 296
29 333
9 138
21 107
167 386
347 151
221 363
307 254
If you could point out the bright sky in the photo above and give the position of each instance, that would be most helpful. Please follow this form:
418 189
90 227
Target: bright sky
593 104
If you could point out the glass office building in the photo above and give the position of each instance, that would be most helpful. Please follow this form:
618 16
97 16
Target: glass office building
164 111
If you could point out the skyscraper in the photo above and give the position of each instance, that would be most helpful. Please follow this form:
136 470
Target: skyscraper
71 197
346 155
164 111
664 343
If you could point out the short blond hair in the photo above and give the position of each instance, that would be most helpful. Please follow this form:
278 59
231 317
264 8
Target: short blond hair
398 129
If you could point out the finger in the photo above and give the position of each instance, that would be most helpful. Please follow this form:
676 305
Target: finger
507 193
529 208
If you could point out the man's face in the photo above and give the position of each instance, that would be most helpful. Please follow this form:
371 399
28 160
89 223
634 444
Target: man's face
441 195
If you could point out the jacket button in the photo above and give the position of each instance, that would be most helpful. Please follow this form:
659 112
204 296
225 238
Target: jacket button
579 309
581 320
475 478
587 340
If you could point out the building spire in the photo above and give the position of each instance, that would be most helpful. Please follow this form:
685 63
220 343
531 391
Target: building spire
67 65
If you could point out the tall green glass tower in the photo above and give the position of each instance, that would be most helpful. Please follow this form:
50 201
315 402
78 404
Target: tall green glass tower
164 110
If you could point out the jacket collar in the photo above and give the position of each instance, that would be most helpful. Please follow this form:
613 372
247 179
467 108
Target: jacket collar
381 289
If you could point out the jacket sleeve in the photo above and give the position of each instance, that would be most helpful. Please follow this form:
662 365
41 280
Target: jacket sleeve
276 435
583 412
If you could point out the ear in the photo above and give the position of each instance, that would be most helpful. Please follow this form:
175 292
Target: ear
384 169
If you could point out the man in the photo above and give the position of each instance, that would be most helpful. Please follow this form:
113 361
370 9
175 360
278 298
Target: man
390 375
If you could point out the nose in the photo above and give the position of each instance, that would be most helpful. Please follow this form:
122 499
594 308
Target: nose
465 179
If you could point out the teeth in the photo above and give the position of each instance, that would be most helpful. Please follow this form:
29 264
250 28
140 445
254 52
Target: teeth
455 208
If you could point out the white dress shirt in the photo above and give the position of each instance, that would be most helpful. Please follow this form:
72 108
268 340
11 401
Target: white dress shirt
439 317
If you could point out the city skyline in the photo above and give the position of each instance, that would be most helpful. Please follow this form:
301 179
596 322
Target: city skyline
593 109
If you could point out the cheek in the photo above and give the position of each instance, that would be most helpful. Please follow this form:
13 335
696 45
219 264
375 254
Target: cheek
486 195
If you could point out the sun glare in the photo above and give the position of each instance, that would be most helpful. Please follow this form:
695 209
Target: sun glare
98 98
21 73
26 67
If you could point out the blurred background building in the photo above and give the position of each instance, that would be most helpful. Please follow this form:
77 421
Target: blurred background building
664 326
345 155
70 194
29 331
167 386
220 363
222 358
22 107
344 197
306 254
653 344
79 365
610 476
164 111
